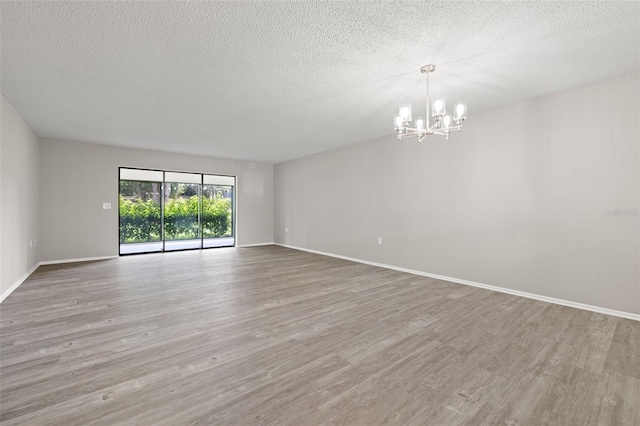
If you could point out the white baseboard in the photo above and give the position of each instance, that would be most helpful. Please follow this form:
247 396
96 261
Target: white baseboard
255 245
81 259
563 302
17 283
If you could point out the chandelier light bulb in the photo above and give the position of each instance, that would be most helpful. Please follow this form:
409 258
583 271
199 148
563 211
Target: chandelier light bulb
460 111
397 122
405 112
420 123
438 107
446 120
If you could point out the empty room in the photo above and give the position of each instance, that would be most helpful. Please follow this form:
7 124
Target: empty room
320 213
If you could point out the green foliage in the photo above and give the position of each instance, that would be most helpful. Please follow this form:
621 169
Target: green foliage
216 217
140 189
140 220
181 218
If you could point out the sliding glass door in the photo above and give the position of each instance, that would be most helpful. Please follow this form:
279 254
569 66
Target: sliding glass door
168 211
182 228
217 211
140 208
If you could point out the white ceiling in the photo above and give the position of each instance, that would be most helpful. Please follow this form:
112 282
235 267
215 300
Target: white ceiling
273 81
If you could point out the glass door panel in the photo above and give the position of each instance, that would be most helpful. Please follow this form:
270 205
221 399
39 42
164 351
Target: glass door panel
218 199
217 217
182 211
140 206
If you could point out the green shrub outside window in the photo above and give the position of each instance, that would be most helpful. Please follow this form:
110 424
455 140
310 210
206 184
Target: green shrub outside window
140 221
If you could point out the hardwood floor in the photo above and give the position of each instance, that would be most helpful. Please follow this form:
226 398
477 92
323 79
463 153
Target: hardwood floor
269 335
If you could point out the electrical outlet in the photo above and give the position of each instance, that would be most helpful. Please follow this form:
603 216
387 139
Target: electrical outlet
286 229
380 240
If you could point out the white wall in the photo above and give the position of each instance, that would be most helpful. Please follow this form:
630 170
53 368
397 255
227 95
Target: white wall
76 178
18 197
516 200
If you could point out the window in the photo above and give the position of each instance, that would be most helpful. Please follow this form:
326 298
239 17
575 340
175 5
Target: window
167 211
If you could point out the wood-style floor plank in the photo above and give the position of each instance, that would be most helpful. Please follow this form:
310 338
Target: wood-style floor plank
269 335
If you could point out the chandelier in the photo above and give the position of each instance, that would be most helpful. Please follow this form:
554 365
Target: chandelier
443 122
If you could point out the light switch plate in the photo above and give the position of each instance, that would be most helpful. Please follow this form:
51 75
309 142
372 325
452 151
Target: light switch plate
106 206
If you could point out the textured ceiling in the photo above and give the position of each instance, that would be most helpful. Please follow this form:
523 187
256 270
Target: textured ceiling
273 81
